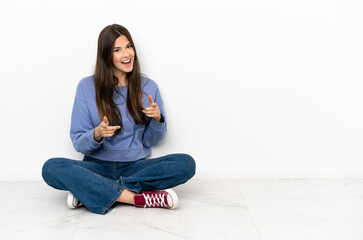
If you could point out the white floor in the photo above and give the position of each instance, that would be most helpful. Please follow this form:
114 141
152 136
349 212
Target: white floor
209 209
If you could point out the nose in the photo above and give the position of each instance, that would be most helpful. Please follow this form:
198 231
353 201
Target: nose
125 53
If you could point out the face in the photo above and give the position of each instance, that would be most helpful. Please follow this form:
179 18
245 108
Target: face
123 56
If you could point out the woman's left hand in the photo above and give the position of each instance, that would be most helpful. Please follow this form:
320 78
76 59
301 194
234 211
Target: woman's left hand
153 110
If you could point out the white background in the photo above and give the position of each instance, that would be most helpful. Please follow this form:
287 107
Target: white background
252 89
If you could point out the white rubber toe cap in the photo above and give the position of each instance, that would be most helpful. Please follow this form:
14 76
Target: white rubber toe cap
71 201
172 198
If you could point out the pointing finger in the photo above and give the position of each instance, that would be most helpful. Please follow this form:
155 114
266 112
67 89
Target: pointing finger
113 128
151 100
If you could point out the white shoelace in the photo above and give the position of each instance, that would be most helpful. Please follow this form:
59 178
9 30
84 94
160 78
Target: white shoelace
156 200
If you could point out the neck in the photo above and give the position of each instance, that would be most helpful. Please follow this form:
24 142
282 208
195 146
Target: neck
122 80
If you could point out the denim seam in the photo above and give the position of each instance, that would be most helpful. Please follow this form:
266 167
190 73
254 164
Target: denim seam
113 200
135 190
115 170
105 180
128 188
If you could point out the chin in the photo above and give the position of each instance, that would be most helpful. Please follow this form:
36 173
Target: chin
128 71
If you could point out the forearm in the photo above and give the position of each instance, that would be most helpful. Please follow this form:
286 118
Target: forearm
85 142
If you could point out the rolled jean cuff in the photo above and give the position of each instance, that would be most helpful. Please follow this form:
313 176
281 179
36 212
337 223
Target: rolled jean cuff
136 190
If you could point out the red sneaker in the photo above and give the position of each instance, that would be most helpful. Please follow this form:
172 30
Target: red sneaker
164 199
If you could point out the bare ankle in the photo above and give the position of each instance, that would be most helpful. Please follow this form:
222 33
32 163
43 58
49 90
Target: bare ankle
126 196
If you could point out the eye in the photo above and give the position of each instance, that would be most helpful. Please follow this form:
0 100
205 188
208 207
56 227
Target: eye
129 46
116 50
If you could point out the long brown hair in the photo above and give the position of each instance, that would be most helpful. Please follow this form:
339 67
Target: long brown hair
105 81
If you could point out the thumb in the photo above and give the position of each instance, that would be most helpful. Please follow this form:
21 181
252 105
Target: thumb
105 120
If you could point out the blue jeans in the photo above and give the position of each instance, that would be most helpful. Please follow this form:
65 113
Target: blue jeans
98 184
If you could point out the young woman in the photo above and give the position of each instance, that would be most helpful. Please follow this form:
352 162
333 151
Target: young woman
118 115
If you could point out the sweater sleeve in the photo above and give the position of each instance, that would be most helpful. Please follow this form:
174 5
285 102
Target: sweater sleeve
82 129
155 131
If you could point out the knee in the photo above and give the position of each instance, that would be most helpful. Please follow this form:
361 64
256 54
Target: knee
189 165
50 168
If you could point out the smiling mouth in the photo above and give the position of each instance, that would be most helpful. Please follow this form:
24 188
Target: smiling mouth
127 61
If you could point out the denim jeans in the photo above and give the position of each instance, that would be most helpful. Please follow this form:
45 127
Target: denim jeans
98 184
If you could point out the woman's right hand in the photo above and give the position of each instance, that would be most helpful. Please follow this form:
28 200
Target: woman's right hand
104 130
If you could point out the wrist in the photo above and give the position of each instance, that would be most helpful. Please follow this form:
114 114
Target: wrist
158 119
97 137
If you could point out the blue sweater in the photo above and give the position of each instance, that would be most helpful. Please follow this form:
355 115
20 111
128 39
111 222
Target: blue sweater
135 140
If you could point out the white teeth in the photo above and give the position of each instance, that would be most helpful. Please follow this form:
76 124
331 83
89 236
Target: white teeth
127 61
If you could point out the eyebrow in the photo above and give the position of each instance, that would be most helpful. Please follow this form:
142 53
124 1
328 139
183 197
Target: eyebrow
120 47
